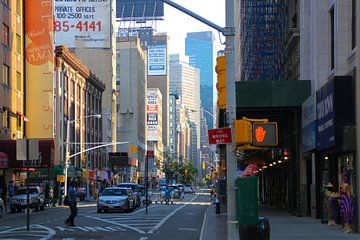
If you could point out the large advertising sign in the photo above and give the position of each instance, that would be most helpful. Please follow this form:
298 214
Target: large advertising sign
83 23
39 69
156 60
152 115
139 9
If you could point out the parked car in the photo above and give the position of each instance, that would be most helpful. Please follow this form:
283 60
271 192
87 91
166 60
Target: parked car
136 190
19 200
189 189
116 198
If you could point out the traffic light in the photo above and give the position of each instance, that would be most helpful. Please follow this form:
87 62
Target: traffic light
264 134
221 81
243 132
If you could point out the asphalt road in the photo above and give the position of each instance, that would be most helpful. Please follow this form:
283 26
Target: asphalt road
181 220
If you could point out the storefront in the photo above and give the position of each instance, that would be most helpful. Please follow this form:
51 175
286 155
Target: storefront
335 103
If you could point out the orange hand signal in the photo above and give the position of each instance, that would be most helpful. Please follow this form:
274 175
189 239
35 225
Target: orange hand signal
260 134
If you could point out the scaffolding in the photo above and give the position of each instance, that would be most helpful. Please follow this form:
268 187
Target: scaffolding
263 29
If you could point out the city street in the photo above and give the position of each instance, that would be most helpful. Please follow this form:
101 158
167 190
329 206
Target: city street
181 220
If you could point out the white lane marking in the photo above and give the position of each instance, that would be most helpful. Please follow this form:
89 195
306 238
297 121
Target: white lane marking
93 229
188 229
92 211
49 233
65 229
115 223
81 228
143 238
157 226
203 227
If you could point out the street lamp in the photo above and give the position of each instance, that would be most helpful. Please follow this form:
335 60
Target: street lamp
68 122
203 110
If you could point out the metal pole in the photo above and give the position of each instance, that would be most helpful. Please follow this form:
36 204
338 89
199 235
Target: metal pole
87 180
27 187
232 231
146 178
67 155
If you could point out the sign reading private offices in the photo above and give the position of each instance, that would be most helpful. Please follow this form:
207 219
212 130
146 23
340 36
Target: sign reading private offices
83 23
156 60
220 136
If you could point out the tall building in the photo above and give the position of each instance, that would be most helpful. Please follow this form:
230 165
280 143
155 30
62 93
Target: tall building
329 57
158 76
185 82
154 132
199 48
79 101
97 50
132 87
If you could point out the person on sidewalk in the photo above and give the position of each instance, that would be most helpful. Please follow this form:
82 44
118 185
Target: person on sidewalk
347 207
72 205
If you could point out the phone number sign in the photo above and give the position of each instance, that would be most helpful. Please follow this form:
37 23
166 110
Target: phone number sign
220 136
82 23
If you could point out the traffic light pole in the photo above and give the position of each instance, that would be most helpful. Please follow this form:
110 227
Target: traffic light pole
229 33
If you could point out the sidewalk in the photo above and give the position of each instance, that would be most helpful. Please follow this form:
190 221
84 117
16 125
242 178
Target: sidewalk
288 227
283 226
214 226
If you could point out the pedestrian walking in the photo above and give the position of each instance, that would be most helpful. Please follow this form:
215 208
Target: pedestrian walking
72 204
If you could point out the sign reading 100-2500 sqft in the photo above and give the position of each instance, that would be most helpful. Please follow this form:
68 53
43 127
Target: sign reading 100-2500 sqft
220 136
82 23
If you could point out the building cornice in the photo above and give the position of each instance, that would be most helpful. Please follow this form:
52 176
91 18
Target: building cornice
70 58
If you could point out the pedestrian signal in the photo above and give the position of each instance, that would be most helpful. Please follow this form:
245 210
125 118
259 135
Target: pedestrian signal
265 134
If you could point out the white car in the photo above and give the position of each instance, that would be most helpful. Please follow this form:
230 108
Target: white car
116 198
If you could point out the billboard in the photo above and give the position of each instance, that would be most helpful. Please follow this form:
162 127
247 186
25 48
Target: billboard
156 60
83 24
39 69
129 10
152 115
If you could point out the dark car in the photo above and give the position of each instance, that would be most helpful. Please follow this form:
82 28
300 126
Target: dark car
136 190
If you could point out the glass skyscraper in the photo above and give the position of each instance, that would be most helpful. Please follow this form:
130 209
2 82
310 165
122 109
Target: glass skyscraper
199 48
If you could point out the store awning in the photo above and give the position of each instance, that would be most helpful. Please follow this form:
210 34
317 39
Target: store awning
4 160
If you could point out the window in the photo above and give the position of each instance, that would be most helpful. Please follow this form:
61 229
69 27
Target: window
332 38
353 24
18 82
18 7
6 118
6 75
5 35
18 44
19 122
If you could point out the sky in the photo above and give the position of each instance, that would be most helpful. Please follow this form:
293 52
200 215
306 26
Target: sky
177 24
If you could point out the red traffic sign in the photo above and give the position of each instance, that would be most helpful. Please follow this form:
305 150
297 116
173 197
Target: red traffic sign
220 136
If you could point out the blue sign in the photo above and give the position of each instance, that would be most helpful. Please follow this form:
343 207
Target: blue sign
309 132
325 116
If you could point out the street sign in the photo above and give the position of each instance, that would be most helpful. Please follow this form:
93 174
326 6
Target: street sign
220 136
21 149
60 179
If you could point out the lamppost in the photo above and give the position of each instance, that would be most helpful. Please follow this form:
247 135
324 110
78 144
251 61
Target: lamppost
68 122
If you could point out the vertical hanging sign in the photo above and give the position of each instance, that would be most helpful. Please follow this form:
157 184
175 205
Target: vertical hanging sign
39 75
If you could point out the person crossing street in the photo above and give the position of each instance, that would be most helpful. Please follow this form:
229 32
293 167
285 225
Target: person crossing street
72 205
